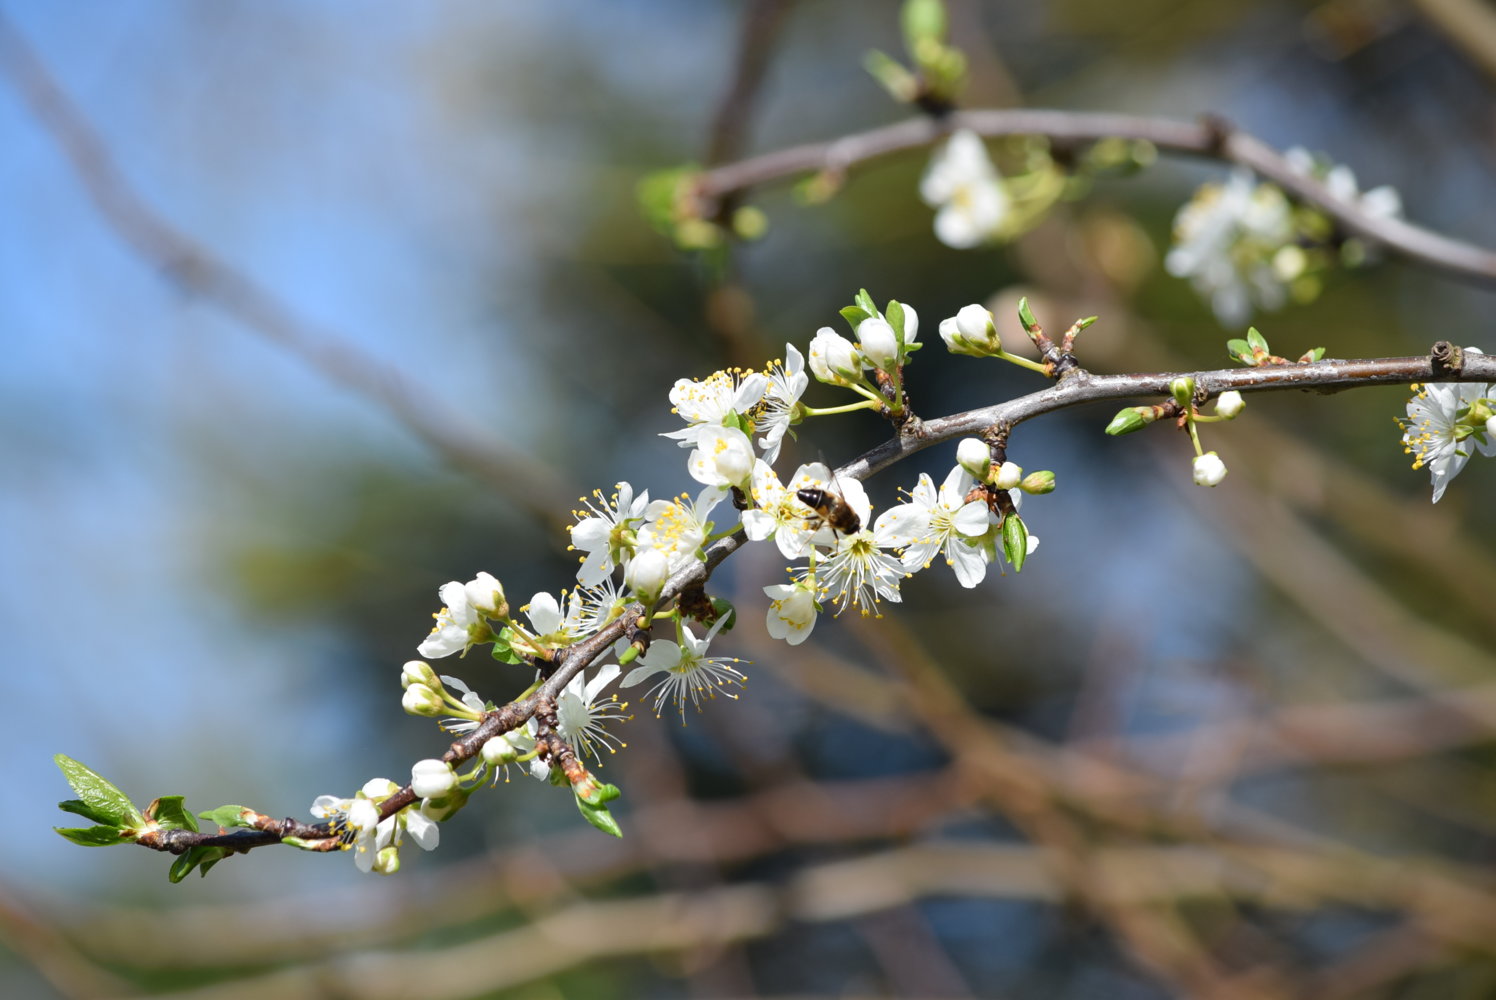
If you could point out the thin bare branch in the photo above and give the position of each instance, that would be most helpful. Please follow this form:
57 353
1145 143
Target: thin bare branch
1212 139
197 270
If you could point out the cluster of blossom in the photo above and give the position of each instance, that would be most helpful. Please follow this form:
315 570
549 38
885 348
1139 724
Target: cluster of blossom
735 424
1446 424
1242 245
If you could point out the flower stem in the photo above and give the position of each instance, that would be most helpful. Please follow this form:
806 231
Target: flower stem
811 411
1021 362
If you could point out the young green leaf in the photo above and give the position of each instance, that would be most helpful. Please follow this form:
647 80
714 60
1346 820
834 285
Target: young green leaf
227 817
201 858
81 808
109 804
94 836
854 315
168 812
894 313
599 817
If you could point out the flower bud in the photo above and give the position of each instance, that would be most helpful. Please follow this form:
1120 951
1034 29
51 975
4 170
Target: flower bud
499 751
1183 390
486 594
387 861
647 572
419 672
975 456
978 328
1134 418
421 700
1209 469
1229 404
1037 483
1009 475
833 359
431 779
879 343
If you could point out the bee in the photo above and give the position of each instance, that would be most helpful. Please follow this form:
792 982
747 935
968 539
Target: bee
832 510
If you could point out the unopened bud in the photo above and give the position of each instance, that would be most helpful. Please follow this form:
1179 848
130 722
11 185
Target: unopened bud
975 456
1009 475
431 779
833 359
1037 483
487 595
1229 404
879 343
387 861
1209 469
1183 390
647 572
978 329
1134 418
421 700
499 751
419 672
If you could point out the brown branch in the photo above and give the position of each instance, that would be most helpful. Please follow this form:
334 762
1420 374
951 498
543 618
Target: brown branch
1077 387
195 269
1211 139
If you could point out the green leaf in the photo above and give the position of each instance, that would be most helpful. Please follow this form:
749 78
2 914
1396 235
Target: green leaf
599 817
502 650
923 20
723 607
167 812
1128 420
227 817
109 804
1315 355
1257 341
1239 349
94 836
865 301
854 315
894 313
83 809
201 858
1026 315
1015 541
659 196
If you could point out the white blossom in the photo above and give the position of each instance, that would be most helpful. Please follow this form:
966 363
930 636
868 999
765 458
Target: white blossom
834 359
723 457
689 673
432 778
677 528
858 572
458 624
605 531
966 191
1225 239
1435 435
944 523
708 402
792 611
776 412
581 713
778 513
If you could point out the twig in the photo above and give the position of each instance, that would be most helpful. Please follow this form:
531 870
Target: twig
196 269
1212 139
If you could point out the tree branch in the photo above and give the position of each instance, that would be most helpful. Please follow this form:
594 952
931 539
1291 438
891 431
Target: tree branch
1211 138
